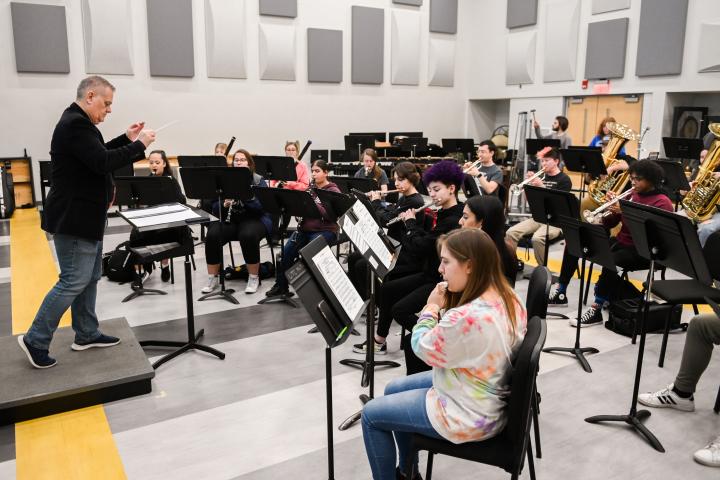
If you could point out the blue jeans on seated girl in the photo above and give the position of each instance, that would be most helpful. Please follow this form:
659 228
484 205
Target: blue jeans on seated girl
291 250
401 412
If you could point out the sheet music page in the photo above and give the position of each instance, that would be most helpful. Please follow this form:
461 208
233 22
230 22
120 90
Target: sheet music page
369 229
161 210
166 218
355 235
340 284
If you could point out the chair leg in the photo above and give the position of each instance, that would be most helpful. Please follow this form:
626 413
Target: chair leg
716 408
695 309
428 470
172 271
536 425
192 260
531 463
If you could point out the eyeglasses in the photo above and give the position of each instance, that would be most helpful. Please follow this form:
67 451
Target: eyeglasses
634 178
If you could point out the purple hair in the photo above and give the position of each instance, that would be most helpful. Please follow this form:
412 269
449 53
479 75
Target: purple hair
445 171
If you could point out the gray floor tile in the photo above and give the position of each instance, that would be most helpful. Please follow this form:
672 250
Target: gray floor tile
5 310
4 256
7 443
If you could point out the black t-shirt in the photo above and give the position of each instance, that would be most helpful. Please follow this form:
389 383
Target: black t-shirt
386 212
561 181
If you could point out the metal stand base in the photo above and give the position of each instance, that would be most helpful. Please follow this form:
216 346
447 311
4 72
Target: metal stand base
142 291
635 422
225 294
578 352
183 347
364 365
280 298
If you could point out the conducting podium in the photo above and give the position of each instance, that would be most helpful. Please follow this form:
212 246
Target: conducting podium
163 217
334 305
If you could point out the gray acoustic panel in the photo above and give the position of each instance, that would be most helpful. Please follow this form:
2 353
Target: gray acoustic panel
602 6
279 8
40 36
606 44
368 45
661 38
325 57
443 16
170 38
709 58
521 13
416 3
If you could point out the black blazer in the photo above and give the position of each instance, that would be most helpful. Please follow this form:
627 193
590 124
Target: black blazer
82 186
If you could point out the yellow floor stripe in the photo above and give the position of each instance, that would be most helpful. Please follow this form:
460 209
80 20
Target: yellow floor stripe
77 444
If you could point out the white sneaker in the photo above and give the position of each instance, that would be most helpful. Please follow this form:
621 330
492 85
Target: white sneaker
213 284
710 454
252 284
666 398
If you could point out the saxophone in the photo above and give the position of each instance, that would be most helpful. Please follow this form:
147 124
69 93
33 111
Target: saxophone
701 201
616 181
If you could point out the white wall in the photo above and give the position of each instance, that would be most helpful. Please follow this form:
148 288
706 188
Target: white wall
261 114
487 19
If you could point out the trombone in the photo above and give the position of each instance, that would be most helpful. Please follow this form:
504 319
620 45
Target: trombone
517 189
596 216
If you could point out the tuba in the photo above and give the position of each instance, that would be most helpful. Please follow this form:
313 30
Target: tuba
700 202
616 181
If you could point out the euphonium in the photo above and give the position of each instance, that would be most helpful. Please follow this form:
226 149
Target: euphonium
700 202
615 181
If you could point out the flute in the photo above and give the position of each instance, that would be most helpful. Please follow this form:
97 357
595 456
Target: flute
416 210
382 194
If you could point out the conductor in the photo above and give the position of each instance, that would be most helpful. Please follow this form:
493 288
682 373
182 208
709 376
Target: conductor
76 213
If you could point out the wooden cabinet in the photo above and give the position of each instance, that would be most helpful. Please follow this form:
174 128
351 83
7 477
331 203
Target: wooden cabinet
22 175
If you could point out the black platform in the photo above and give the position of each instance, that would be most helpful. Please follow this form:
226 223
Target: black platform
80 379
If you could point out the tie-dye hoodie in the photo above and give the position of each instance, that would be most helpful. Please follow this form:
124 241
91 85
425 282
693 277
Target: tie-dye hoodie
470 350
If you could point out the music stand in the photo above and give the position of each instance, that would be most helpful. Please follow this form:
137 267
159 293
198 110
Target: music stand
585 241
186 161
284 202
336 204
459 145
682 148
277 168
663 238
534 145
221 183
584 161
674 178
358 143
412 144
187 250
134 192
319 155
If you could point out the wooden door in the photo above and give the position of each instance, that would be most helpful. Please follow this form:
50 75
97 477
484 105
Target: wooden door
624 111
581 113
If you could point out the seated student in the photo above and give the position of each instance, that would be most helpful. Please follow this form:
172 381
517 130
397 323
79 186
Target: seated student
463 398
556 179
292 149
407 292
602 137
307 231
245 221
158 163
702 334
645 177
371 169
488 176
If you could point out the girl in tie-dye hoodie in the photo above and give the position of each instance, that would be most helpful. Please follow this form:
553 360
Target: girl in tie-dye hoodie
470 347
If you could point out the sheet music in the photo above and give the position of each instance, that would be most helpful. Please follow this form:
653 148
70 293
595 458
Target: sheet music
339 283
369 229
164 218
150 211
355 235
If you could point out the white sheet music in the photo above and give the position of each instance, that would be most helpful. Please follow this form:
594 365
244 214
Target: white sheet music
369 229
340 284
164 218
355 235
150 211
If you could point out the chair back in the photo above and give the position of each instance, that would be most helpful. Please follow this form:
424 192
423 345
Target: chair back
538 292
710 252
522 388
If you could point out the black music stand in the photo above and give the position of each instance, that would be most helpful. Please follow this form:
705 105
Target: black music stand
221 183
281 169
584 161
134 192
286 203
546 207
674 179
348 184
459 145
188 161
358 143
534 145
381 252
687 150
150 253
587 242
660 237
334 318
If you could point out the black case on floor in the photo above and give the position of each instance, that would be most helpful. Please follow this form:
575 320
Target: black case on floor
624 314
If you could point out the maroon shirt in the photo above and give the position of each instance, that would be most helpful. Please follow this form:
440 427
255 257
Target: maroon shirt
324 224
652 198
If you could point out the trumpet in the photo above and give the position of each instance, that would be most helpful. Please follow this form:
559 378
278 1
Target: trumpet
595 216
416 210
517 189
475 164
382 194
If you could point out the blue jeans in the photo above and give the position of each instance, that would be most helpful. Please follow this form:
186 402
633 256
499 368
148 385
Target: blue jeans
400 412
80 262
291 250
708 227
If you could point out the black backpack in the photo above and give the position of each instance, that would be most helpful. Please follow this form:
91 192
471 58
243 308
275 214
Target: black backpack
119 265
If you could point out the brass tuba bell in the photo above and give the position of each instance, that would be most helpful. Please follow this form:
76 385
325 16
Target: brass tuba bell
701 201
615 181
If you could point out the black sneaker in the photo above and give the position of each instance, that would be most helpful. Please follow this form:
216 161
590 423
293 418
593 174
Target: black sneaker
277 291
591 317
38 358
165 274
100 342
557 299
380 349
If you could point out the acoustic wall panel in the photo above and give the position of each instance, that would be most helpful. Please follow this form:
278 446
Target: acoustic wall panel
520 58
277 52
602 6
170 38
561 38
443 16
325 48
409 2
107 32
661 38
279 8
368 45
606 43
441 62
709 58
405 47
225 38
521 13
40 38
